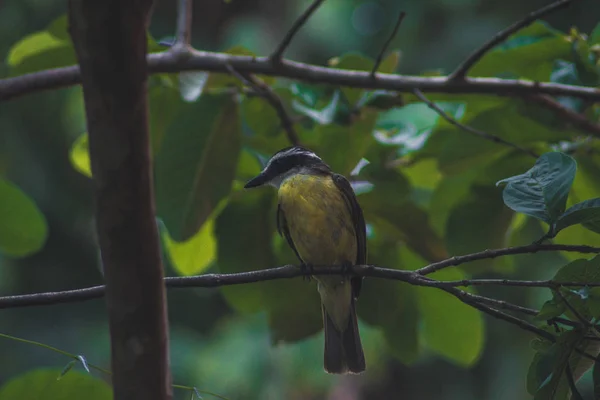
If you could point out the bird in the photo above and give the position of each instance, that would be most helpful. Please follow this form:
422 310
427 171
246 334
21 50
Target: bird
320 218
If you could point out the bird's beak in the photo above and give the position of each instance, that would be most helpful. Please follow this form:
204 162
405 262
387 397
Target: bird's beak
259 180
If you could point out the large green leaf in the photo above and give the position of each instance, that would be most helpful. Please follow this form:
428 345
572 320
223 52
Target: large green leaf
23 230
391 305
244 230
465 232
196 165
586 213
44 384
450 327
196 254
530 54
389 207
543 190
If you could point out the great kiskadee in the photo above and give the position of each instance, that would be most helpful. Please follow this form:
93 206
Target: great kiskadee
320 218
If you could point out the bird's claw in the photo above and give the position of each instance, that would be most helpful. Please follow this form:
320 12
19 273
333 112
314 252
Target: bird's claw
307 270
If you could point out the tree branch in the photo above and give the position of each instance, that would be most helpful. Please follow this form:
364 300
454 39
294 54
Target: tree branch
184 23
386 44
549 284
168 61
265 91
111 44
476 132
461 72
490 254
277 55
578 120
290 271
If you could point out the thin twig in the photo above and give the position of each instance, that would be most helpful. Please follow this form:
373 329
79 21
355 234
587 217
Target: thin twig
476 132
490 254
184 23
278 53
386 44
575 395
578 120
549 284
461 72
467 298
274 100
169 61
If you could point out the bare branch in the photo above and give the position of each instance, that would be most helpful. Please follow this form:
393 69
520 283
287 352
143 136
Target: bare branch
476 132
471 300
387 43
549 284
184 24
578 120
278 53
169 61
269 94
490 254
461 72
290 271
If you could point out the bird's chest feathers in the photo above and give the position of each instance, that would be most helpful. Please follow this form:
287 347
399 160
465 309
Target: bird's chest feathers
318 219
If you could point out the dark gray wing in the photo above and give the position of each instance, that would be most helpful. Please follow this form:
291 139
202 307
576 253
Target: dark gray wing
359 226
283 230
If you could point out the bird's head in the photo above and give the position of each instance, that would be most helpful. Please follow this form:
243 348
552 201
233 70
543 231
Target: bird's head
285 163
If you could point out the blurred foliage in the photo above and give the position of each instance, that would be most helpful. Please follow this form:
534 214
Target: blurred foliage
428 190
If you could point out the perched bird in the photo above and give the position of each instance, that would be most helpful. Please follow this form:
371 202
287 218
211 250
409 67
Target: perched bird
320 218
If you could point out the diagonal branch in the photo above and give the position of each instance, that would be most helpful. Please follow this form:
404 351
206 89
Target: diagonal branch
387 44
549 284
278 53
476 132
489 254
264 90
578 120
461 72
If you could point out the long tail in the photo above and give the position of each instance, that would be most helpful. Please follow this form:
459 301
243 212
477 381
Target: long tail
343 350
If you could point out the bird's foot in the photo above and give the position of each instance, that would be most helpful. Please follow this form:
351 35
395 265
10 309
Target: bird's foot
347 268
307 270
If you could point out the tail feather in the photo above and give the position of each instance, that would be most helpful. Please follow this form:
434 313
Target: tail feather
343 350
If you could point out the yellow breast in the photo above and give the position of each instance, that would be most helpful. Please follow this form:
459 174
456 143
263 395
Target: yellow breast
318 219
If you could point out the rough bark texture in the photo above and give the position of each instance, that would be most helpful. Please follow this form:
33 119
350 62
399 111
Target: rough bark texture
110 42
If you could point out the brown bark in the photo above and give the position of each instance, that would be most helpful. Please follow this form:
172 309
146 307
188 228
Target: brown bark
110 42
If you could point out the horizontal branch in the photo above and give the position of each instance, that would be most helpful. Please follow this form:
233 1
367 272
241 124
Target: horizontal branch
173 61
291 271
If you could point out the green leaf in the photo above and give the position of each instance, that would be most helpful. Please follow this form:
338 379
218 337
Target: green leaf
342 147
450 327
244 230
197 162
595 35
586 213
596 372
80 156
164 104
389 207
196 254
324 116
543 190
551 309
42 50
43 384
530 54
23 230
391 306
465 232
